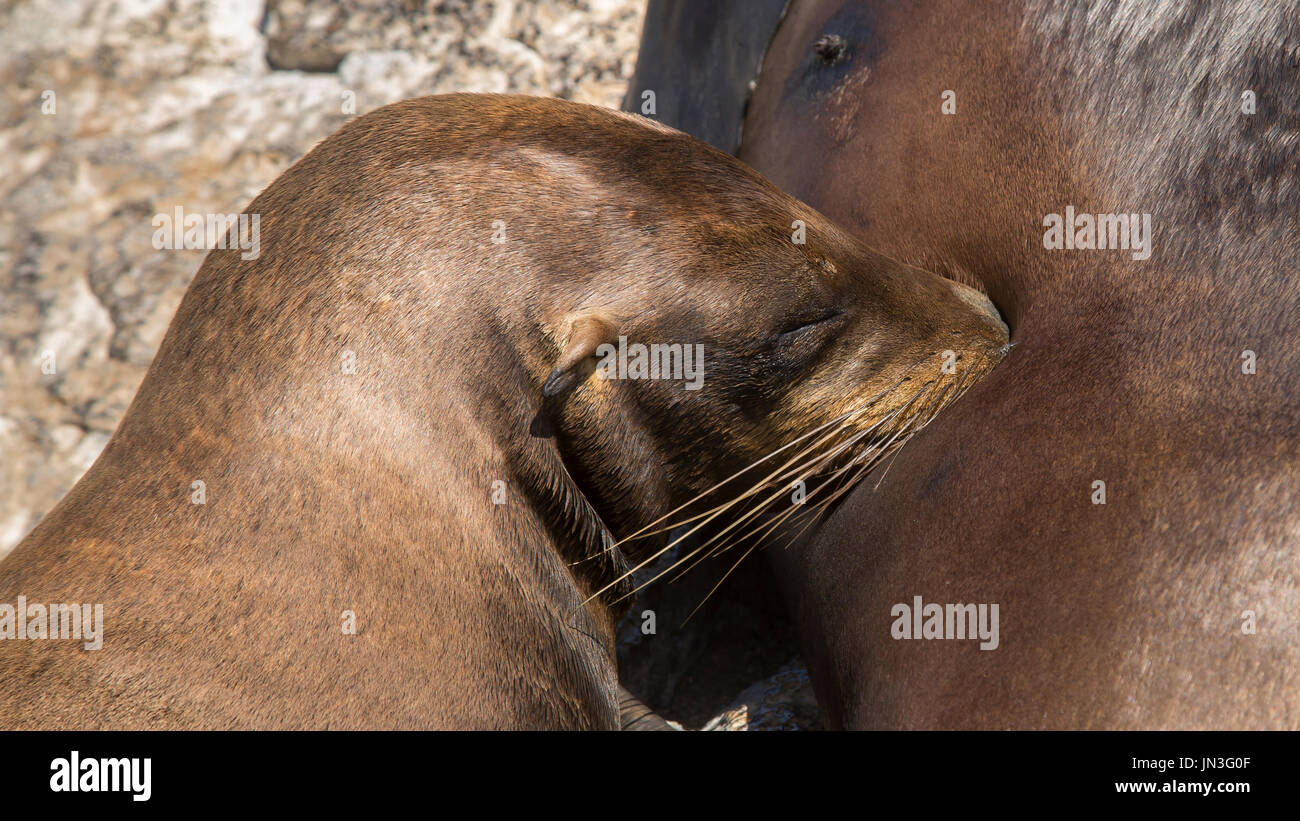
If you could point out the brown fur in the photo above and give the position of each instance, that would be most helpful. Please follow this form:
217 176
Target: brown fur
1126 615
370 491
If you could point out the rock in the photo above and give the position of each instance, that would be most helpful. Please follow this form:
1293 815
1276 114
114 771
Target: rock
783 702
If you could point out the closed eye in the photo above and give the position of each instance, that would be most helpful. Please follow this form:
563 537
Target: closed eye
799 329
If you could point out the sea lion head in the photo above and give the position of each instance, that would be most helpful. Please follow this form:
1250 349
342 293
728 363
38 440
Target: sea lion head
505 267
802 349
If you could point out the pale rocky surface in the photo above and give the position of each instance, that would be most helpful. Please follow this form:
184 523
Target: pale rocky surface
116 110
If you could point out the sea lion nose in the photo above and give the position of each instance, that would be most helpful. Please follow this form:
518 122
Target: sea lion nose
981 303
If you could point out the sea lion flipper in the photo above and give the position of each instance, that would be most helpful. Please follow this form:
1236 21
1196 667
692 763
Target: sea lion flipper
634 715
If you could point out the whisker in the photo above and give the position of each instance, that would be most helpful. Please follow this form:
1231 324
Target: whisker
715 587
769 525
838 421
803 464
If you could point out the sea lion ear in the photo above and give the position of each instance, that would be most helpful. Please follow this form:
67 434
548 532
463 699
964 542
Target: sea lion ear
587 332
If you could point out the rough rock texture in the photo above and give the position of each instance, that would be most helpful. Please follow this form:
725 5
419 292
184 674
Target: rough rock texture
784 701
116 110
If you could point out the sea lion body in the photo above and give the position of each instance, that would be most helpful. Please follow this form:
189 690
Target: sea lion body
945 134
394 417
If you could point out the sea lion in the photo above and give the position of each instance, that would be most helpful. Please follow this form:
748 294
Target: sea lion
697 64
1124 485
399 417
